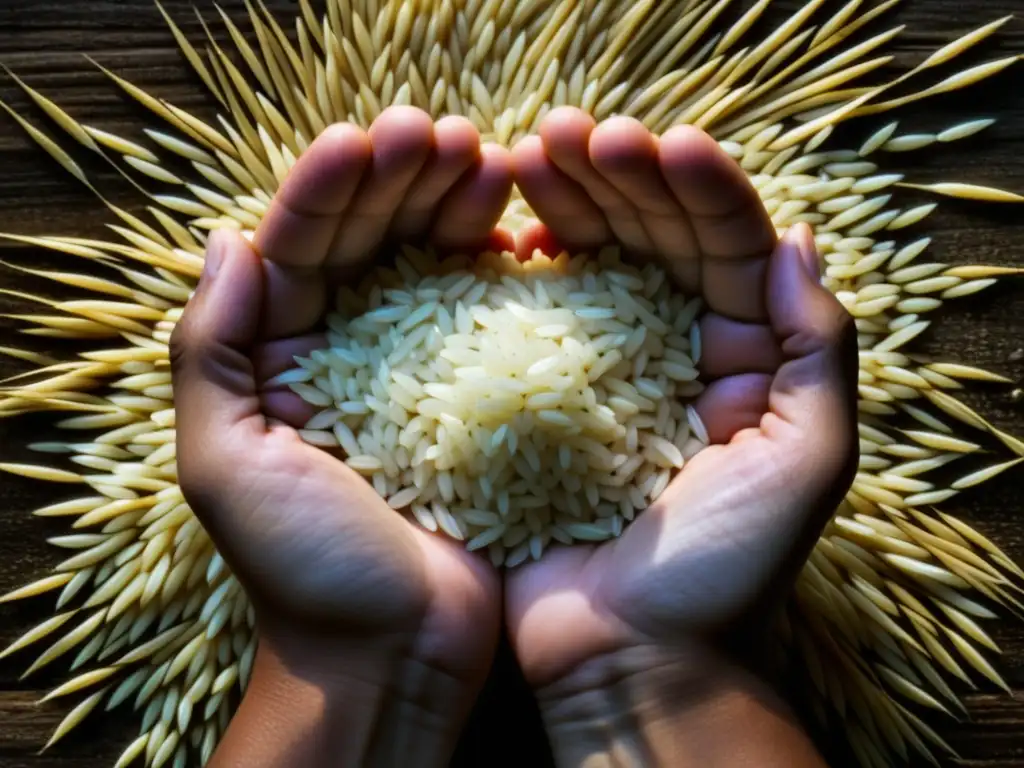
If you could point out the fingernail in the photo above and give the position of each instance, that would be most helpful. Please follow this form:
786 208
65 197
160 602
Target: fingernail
804 239
216 245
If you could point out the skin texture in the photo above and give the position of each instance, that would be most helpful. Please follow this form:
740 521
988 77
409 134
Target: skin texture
362 617
375 636
689 588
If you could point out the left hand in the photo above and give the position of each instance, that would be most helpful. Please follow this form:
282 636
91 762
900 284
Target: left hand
349 596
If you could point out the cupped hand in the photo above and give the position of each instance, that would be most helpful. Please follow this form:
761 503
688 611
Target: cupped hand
709 560
321 555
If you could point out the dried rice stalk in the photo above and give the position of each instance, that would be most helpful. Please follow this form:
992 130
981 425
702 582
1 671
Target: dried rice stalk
176 625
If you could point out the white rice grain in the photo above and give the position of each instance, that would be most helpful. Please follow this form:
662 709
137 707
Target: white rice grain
480 401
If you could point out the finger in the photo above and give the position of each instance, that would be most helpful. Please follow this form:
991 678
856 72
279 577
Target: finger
813 397
565 133
215 394
300 224
456 148
471 210
733 404
748 434
278 356
501 240
297 230
729 347
401 140
568 214
287 408
626 154
732 228
294 300
278 401
536 237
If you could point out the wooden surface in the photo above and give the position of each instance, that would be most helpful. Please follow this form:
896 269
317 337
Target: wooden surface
44 41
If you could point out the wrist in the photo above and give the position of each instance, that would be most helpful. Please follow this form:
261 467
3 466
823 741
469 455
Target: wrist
318 701
653 706
649 676
412 666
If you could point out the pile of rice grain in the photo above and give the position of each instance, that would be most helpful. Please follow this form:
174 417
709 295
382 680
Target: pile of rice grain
510 403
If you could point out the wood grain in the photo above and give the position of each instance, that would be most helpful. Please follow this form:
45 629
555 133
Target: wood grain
44 42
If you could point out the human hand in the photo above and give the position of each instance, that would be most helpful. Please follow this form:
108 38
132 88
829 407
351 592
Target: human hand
691 585
384 623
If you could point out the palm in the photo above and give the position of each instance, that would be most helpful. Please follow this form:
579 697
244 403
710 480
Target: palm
711 548
310 539
707 554
735 518
339 553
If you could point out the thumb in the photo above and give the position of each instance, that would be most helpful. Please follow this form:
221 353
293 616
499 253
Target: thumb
215 395
814 392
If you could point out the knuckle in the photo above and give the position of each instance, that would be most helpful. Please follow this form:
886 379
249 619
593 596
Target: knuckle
178 345
190 348
836 332
184 337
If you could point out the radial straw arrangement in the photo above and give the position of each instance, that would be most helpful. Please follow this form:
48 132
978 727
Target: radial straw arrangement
887 619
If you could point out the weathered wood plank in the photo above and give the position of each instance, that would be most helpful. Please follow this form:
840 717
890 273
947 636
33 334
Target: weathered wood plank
44 41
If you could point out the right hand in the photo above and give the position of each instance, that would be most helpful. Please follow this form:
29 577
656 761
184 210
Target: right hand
698 574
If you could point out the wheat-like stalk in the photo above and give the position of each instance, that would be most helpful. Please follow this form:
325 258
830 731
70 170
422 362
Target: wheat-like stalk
889 609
